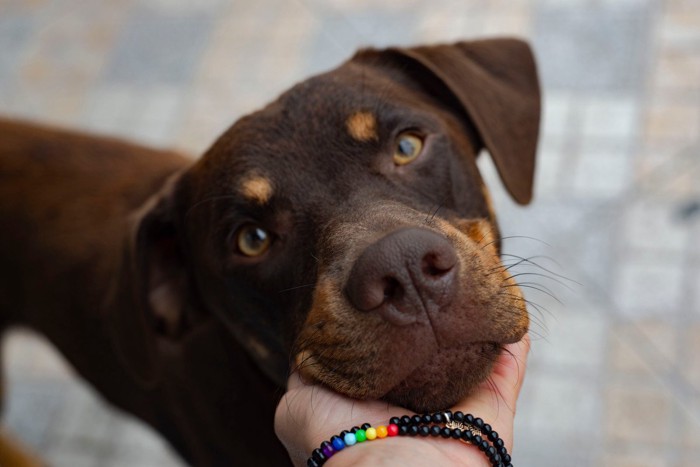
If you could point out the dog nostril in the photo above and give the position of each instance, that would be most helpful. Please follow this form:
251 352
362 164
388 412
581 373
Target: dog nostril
392 289
435 265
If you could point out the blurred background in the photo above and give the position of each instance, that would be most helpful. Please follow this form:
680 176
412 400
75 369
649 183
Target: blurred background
614 378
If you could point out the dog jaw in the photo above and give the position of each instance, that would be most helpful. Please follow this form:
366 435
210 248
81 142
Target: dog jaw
436 360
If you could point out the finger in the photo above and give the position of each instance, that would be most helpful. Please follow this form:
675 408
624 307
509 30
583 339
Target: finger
495 399
509 370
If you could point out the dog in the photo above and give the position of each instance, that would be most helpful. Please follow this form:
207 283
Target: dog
343 231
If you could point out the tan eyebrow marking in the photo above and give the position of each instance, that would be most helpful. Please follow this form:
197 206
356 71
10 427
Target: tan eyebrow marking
362 126
257 188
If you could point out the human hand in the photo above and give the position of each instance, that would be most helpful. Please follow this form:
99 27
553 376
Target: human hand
309 414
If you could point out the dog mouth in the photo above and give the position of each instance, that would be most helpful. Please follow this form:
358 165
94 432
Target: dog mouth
426 380
447 377
418 319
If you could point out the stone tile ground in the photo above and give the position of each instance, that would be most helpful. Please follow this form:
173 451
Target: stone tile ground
614 378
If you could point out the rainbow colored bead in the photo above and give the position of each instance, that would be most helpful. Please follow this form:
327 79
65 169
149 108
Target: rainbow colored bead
350 439
328 451
464 427
347 439
337 443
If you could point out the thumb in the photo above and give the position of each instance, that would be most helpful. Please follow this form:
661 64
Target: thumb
495 400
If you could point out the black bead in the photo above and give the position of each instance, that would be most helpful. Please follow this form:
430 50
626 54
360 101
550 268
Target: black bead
354 429
479 423
491 451
467 436
458 416
484 445
365 426
438 418
424 430
502 450
487 428
426 418
318 456
416 419
394 420
312 463
493 436
403 430
413 430
477 439
445 432
499 443
456 433
405 420
506 458
496 458
469 418
435 430
509 465
343 433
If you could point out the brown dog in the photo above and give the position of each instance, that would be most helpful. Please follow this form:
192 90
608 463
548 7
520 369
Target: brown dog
343 230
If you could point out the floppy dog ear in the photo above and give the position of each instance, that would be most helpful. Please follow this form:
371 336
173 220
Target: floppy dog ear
495 82
151 292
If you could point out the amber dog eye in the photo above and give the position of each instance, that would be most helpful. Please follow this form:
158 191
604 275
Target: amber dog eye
252 240
408 147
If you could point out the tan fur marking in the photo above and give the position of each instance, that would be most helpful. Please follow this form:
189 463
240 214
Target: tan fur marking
257 188
479 231
362 126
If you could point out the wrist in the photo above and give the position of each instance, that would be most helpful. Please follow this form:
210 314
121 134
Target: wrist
410 451
414 439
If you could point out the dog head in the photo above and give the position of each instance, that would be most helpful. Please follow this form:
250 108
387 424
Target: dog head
345 230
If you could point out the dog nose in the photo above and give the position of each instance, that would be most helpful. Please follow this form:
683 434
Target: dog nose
407 272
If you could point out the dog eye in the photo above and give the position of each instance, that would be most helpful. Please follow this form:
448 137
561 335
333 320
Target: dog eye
408 147
252 240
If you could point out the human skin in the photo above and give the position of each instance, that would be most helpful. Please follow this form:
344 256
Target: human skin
309 414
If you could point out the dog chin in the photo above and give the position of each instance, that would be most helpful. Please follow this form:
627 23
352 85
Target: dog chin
450 376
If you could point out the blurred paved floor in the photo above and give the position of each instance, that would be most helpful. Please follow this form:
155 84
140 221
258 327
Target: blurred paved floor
615 372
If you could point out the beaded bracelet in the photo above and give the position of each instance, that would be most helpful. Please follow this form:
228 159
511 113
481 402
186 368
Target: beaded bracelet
464 427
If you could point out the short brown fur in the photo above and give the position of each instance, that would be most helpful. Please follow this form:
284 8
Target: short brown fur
124 256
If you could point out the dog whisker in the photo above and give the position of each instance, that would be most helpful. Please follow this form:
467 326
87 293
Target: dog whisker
530 261
483 237
532 286
529 283
526 237
542 288
297 287
440 205
553 279
539 308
